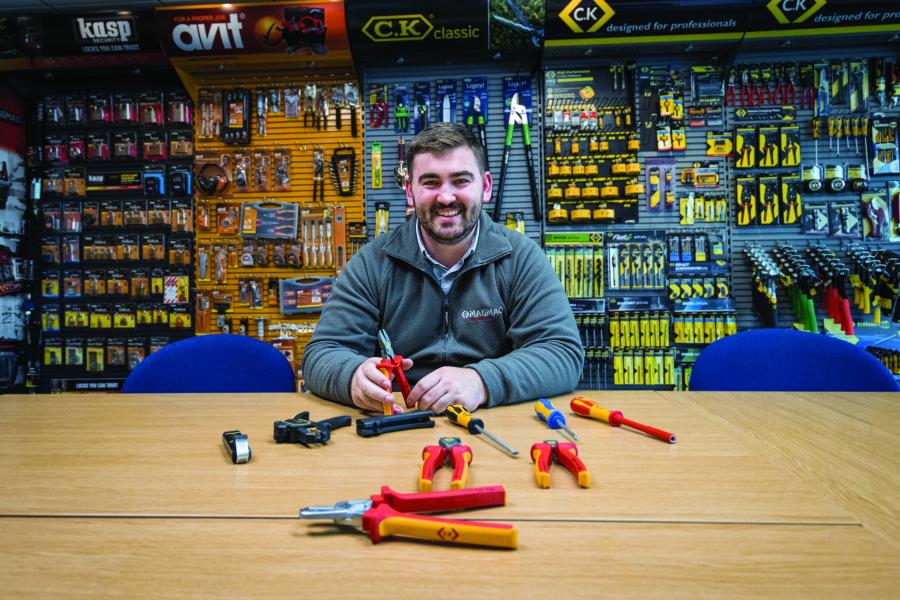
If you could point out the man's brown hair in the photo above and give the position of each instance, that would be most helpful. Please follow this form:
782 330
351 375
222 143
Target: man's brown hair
440 138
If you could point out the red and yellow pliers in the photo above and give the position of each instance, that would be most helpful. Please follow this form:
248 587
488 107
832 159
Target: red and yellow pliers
390 513
566 454
451 451
391 363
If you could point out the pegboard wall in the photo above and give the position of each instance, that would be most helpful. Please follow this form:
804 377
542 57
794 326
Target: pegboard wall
384 81
267 255
703 302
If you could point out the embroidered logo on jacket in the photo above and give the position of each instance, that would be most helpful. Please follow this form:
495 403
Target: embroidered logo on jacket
482 314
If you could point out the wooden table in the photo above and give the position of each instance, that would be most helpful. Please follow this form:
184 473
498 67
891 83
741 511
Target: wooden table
135 495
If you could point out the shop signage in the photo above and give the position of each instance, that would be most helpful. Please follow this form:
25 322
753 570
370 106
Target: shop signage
417 29
315 28
621 22
106 34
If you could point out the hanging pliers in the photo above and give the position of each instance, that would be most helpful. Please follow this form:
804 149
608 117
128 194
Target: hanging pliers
566 454
390 513
451 451
518 115
391 363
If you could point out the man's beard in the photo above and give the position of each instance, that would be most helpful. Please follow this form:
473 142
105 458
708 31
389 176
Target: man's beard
469 221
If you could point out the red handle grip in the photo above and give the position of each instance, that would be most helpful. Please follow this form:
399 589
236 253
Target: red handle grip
432 459
478 497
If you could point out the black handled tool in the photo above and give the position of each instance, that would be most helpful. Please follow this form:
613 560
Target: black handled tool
300 429
420 419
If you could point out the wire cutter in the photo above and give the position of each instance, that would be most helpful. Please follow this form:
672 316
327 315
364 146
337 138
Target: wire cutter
450 450
518 115
730 89
822 95
391 363
566 454
390 513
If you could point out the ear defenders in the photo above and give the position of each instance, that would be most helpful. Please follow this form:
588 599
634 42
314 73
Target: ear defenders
212 179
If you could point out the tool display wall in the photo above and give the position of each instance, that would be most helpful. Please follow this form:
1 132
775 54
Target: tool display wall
721 179
112 183
463 93
279 198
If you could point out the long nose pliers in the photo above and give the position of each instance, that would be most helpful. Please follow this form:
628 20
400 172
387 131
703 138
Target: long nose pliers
391 363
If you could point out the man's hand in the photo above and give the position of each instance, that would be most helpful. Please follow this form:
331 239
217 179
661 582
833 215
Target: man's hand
448 385
370 389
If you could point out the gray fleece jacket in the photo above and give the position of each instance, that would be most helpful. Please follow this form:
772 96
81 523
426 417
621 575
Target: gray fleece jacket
506 316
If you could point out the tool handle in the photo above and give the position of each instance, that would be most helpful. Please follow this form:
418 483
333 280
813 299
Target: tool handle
542 455
460 457
567 455
504 163
586 408
450 500
383 521
458 415
548 414
387 406
659 434
401 376
432 459
529 166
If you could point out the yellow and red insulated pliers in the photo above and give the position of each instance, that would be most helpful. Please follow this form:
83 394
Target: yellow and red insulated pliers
391 363
391 513
449 451
566 454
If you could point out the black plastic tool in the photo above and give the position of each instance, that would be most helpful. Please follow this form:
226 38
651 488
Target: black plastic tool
300 430
420 419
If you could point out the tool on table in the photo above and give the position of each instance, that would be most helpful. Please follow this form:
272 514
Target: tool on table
300 429
553 417
586 408
458 415
420 419
238 445
450 451
391 513
391 363
566 454
518 115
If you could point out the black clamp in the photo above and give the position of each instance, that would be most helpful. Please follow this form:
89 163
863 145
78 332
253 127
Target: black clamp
300 430
238 445
420 419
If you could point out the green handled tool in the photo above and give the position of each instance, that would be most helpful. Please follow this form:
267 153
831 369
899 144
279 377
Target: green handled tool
518 115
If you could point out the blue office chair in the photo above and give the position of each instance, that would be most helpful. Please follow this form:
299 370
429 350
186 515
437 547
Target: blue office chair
213 363
788 360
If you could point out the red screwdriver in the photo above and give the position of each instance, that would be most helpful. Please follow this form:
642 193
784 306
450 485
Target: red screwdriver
586 408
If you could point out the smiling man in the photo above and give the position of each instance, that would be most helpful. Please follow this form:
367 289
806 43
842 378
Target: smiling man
474 307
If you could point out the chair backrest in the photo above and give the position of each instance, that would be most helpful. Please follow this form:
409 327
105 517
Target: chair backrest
213 363
788 360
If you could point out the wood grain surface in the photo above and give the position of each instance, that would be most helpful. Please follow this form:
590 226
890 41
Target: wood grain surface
845 446
163 455
246 558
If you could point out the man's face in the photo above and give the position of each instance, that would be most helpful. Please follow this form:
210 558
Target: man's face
447 192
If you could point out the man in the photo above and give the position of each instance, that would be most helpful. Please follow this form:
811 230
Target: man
475 306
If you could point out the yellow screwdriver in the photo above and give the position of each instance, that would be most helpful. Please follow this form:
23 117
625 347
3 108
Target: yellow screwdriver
458 415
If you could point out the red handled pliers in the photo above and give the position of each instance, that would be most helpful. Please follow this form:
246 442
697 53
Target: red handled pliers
451 451
566 454
730 89
391 513
391 363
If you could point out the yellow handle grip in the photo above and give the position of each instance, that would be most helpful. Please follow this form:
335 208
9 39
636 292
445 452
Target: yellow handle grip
388 407
389 522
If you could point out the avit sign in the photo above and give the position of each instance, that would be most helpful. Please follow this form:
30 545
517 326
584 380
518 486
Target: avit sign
586 16
789 12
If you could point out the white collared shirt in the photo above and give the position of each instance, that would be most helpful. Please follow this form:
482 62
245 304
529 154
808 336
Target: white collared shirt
444 275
